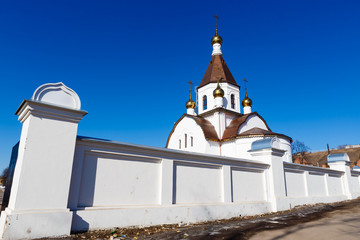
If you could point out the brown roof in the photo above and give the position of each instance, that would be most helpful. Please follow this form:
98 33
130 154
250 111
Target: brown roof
206 126
232 130
217 70
255 132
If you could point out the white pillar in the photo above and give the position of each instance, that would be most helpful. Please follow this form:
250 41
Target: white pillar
191 111
341 162
247 110
219 102
216 49
167 182
267 151
39 194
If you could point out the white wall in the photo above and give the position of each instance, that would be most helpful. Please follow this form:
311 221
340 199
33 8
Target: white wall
112 184
192 183
310 185
355 183
110 177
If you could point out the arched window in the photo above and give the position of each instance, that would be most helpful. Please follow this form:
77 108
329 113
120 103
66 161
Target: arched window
185 140
232 101
179 144
204 102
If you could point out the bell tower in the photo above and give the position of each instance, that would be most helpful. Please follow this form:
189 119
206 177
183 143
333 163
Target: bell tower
219 76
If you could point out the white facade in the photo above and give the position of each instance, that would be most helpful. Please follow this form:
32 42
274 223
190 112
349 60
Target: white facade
208 90
188 136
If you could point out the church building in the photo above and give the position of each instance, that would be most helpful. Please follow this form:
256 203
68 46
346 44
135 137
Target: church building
221 127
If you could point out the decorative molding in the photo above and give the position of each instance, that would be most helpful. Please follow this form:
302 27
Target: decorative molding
58 94
43 110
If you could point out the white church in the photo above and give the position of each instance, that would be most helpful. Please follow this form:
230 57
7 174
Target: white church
220 127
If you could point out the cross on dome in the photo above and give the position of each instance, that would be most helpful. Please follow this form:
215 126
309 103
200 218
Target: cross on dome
216 39
246 102
190 103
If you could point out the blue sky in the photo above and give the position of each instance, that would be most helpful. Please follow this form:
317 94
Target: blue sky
129 62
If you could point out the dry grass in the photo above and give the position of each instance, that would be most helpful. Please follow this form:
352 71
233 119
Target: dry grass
320 158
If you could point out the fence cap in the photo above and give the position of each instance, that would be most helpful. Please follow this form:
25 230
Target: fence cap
338 157
356 168
57 93
265 144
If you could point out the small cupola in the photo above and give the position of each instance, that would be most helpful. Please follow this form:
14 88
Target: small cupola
218 94
190 104
216 41
246 102
216 38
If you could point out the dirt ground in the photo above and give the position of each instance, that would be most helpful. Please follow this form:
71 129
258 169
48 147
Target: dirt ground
321 221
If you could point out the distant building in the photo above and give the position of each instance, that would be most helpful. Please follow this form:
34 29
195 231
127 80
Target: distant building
353 146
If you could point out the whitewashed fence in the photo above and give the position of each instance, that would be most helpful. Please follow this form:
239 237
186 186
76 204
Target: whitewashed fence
63 182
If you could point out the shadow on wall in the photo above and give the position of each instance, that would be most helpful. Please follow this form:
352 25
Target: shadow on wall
9 180
85 192
81 224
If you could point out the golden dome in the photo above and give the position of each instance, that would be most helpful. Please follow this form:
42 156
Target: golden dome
216 39
190 104
218 92
246 102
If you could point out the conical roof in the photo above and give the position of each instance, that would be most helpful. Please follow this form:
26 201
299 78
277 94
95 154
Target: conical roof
217 71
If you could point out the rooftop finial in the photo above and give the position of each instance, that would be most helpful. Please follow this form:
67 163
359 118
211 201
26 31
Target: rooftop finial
190 83
216 23
216 39
190 103
246 102
245 81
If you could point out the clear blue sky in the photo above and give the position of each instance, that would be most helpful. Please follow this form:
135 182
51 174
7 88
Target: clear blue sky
129 61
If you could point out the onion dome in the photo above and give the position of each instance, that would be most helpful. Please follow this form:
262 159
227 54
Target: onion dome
190 104
246 102
218 92
216 38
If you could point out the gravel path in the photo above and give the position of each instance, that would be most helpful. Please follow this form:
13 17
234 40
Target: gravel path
320 221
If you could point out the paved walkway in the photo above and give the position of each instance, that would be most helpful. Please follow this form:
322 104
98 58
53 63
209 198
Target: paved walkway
340 224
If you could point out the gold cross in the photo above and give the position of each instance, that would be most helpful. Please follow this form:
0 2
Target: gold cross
245 81
190 83
217 18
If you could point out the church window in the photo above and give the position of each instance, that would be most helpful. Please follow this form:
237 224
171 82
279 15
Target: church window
179 143
192 141
185 140
204 102
232 101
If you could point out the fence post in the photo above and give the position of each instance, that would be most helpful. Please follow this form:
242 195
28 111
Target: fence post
341 162
267 151
39 193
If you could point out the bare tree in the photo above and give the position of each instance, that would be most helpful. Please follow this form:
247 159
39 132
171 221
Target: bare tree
5 173
342 146
299 147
